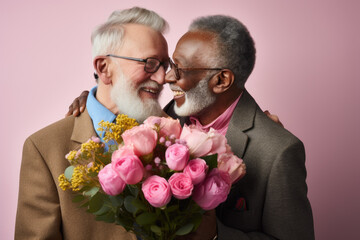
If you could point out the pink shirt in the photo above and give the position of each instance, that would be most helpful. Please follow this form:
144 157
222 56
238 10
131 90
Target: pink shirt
221 123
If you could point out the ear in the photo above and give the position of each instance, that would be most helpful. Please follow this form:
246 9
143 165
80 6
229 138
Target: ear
222 81
102 68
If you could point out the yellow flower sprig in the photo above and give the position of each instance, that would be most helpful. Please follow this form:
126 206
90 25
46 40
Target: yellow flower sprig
113 131
91 157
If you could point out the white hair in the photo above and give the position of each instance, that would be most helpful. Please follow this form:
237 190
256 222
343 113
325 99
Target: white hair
196 99
107 37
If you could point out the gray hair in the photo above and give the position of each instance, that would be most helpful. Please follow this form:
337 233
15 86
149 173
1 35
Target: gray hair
107 38
236 48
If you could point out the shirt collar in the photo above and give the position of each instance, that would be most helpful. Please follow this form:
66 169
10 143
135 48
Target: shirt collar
98 112
221 123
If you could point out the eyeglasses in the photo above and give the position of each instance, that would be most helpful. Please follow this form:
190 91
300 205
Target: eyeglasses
151 64
177 70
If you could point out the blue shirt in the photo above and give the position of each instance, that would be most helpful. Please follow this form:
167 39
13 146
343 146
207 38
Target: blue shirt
98 112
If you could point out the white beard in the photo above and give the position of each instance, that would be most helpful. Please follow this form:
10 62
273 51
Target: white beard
196 99
129 102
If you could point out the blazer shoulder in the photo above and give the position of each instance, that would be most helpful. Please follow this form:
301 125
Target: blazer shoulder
57 131
272 131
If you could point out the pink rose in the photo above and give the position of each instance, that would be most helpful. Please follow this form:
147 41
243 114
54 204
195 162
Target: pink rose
156 191
177 156
142 138
122 152
196 170
168 126
110 181
130 168
197 140
213 190
233 165
181 185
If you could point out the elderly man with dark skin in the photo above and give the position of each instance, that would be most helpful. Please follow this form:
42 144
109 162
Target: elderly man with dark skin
44 210
210 66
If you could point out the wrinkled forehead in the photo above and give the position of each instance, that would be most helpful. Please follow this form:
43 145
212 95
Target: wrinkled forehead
195 46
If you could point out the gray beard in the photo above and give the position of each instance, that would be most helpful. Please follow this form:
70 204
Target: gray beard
196 99
128 101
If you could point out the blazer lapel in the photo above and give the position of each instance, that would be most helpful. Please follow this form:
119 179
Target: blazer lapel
83 129
241 121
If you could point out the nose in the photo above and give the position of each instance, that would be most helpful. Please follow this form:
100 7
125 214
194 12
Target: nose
170 76
159 76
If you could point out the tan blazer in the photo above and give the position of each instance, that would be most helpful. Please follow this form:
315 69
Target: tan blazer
44 210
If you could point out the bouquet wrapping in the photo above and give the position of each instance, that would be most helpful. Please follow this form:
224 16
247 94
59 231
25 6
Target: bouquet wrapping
155 179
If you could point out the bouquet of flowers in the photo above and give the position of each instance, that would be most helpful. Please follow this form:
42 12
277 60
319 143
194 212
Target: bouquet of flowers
155 179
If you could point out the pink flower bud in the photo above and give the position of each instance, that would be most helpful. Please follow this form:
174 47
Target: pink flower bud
110 181
196 170
181 185
142 138
213 190
130 168
177 156
156 191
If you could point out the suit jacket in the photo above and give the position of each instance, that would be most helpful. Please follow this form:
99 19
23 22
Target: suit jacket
45 211
273 190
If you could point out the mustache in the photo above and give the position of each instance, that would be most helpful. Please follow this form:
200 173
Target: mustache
151 84
175 88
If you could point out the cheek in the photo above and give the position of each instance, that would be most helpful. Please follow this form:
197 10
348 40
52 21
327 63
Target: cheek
186 84
136 76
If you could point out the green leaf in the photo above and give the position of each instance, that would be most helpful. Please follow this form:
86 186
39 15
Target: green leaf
211 161
85 188
125 222
95 203
91 192
78 198
69 172
155 229
146 218
85 204
185 229
196 219
139 204
129 206
103 210
116 201
172 208
109 217
133 190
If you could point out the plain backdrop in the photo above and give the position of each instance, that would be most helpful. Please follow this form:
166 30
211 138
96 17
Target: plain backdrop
307 72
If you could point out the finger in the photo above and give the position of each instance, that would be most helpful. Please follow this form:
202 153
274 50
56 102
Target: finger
82 100
75 106
274 117
70 111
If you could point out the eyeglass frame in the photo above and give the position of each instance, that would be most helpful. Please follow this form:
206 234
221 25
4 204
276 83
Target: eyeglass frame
142 60
177 73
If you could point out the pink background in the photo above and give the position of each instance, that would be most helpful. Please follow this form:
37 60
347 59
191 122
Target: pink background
307 72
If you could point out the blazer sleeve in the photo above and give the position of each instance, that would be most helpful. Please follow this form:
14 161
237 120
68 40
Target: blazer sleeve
287 212
38 214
